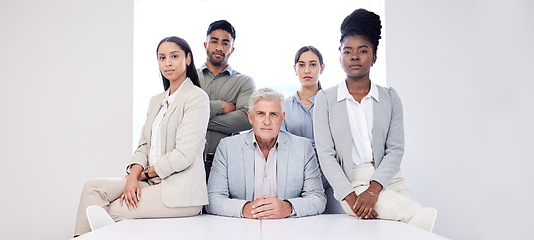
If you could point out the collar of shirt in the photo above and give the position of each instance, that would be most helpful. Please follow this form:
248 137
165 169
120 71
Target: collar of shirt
226 69
255 143
170 98
296 97
343 92
296 103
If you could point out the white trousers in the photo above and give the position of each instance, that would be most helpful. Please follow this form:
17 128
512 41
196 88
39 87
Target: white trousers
105 192
394 202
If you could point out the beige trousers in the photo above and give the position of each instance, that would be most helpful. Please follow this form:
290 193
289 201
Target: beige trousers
105 192
394 202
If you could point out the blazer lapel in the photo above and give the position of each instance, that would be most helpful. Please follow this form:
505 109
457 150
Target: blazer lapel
282 165
341 117
153 110
178 101
248 164
380 119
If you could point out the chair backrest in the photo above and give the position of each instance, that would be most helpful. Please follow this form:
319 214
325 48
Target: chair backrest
425 218
98 217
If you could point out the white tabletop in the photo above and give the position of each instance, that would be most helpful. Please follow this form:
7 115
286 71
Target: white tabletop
325 226
340 226
199 227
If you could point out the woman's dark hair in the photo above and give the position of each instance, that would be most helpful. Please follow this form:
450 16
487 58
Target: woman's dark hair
223 25
314 50
362 23
191 71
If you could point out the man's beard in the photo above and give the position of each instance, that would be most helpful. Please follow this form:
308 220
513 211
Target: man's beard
216 62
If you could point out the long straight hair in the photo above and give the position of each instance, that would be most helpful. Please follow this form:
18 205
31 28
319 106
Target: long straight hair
314 50
191 70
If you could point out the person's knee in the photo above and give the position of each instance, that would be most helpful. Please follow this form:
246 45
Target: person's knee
92 184
395 206
101 186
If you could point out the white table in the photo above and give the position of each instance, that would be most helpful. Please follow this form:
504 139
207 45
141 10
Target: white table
340 226
199 227
324 227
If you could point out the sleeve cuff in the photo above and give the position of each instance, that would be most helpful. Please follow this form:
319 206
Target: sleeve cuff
293 213
215 108
129 167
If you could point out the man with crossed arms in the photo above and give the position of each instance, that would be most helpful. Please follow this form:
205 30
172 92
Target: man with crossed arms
227 89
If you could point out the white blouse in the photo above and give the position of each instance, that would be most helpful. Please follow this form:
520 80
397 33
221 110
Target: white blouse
155 139
360 121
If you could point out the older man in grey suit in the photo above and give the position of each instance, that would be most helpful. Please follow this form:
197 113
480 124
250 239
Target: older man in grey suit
265 173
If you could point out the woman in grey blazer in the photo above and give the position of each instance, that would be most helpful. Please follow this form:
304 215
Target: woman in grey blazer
359 135
166 175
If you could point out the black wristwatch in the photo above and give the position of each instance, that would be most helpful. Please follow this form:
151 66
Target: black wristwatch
146 172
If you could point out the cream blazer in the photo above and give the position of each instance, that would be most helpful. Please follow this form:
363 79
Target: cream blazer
183 131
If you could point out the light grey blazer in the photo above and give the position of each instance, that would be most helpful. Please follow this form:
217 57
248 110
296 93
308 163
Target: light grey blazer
183 131
231 181
333 138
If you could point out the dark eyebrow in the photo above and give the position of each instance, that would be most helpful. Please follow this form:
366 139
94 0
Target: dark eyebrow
171 52
313 60
365 46
214 38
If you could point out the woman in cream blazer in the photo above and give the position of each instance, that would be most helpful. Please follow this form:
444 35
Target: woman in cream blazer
166 176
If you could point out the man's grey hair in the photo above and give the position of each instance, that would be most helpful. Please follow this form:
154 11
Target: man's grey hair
268 94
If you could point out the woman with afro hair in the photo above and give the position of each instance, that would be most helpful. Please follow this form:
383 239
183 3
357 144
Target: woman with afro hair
359 133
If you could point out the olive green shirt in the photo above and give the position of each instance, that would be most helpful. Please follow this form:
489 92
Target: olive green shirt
229 86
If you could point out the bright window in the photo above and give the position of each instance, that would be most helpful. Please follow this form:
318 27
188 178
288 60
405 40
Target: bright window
268 33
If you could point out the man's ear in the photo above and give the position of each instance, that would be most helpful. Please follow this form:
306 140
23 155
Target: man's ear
249 117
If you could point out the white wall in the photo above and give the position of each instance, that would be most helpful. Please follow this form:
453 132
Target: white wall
464 72
66 108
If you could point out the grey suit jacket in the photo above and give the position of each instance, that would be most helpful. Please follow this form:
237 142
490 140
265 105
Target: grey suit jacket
231 181
183 131
333 138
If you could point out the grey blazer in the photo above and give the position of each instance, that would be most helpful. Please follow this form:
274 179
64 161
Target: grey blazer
183 131
333 138
231 181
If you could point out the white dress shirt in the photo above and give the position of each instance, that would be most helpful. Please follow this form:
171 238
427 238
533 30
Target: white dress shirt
360 121
265 174
155 139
